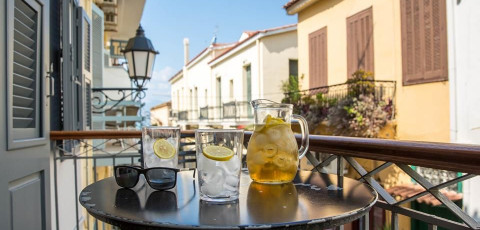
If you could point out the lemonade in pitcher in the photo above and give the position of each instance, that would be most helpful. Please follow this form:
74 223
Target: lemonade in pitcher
273 154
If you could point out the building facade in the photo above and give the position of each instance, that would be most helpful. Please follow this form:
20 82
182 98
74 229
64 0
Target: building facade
336 38
428 47
160 114
214 88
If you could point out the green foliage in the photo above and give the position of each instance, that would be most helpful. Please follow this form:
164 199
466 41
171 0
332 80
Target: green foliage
357 114
291 89
361 83
358 117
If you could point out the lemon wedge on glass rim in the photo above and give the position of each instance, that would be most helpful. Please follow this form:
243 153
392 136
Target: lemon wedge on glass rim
163 149
217 153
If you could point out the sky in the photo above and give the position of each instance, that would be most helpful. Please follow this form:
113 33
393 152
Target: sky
167 23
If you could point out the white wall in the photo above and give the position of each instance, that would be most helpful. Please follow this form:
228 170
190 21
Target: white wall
198 75
161 114
464 69
232 68
276 52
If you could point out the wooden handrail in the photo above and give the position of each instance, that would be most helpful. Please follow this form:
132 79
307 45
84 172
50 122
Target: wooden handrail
101 134
455 157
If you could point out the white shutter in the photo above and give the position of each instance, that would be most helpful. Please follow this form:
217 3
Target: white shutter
97 47
84 60
25 75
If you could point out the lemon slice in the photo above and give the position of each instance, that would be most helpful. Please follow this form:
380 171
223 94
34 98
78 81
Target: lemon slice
272 121
163 149
217 153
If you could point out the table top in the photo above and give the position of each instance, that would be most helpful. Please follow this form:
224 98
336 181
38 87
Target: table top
320 200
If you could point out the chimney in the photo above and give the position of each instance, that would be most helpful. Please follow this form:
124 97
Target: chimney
185 50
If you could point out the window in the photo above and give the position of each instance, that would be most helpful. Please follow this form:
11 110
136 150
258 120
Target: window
206 97
293 68
219 91
424 41
231 90
360 42
248 82
195 98
25 104
317 48
110 17
76 69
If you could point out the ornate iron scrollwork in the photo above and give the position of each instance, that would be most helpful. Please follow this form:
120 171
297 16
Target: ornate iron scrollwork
103 102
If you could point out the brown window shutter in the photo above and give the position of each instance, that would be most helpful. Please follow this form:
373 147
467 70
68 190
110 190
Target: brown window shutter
424 41
360 42
318 58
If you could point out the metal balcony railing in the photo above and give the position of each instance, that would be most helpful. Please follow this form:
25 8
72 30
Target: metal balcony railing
382 90
234 110
93 159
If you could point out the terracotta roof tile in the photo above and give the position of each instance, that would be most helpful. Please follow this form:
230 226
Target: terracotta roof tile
409 190
290 3
251 34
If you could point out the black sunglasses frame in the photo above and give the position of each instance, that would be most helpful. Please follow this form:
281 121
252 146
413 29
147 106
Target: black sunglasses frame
143 171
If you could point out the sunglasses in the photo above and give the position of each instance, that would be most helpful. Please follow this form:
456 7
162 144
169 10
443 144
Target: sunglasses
159 178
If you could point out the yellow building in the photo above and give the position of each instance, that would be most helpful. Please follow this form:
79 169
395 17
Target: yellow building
403 41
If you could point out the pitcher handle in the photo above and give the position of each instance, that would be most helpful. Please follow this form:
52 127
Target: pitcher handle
305 141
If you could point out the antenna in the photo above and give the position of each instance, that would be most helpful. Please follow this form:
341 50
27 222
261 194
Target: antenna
214 38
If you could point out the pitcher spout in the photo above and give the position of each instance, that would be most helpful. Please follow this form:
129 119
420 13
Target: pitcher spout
257 102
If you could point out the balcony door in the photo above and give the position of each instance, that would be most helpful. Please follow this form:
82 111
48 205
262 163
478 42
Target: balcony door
24 145
360 42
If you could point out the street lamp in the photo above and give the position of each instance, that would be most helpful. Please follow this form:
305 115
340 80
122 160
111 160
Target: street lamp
140 56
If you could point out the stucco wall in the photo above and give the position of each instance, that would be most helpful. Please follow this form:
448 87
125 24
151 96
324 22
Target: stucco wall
465 50
159 116
276 52
198 75
232 68
422 110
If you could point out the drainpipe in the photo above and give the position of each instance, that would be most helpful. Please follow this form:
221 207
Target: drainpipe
259 70
452 71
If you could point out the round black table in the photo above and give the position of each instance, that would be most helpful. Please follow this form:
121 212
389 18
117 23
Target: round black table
312 201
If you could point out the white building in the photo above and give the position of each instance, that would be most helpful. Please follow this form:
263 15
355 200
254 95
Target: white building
464 59
215 87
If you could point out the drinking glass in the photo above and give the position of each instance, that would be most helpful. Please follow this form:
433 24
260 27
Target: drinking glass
160 146
219 153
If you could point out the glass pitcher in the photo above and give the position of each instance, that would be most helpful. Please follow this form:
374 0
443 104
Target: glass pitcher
273 154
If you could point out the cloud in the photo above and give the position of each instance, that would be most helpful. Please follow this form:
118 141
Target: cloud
158 88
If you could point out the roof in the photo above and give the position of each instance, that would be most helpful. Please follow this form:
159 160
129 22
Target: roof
252 34
176 74
290 3
294 6
168 103
409 190
215 46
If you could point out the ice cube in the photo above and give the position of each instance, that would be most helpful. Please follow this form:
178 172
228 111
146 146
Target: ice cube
260 139
281 160
232 180
230 188
269 150
231 166
256 158
212 182
274 134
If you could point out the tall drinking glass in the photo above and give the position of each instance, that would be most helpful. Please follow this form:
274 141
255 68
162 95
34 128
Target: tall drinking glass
219 153
160 146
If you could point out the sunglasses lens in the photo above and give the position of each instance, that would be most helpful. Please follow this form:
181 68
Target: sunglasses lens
126 177
161 179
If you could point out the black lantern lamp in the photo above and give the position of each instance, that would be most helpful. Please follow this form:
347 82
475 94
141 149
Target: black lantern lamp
140 56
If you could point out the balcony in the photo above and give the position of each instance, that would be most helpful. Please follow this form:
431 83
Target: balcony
420 161
230 111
